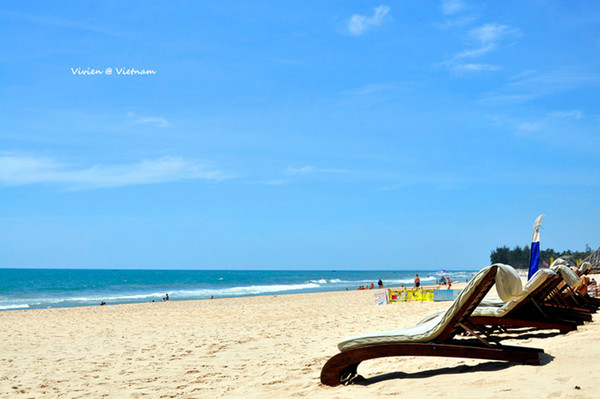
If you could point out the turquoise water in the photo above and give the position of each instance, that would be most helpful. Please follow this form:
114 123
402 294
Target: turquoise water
54 288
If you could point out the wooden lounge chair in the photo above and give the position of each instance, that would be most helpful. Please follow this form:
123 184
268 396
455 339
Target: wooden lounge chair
539 306
552 303
574 278
436 337
565 295
525 311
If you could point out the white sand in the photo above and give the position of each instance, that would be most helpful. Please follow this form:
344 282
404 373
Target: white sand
263 347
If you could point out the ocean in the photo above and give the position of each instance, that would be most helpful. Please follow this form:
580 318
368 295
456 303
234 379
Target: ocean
59 288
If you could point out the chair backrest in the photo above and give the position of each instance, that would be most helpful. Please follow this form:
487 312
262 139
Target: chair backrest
567 274
551 292
467 301
542 281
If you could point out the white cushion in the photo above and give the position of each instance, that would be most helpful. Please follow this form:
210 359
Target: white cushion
567 274
584 267
559 261
508 283
499 311
497 302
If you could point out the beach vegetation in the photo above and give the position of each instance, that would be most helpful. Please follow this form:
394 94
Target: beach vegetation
519 256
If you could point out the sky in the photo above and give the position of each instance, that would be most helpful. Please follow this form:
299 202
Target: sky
296 135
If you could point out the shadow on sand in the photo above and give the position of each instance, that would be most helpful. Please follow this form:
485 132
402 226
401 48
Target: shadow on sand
460 369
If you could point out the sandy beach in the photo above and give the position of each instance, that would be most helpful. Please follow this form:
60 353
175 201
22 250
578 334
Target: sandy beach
263 347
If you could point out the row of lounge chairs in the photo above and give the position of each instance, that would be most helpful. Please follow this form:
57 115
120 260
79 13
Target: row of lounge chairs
470 326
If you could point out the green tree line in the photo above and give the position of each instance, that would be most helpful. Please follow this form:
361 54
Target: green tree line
519 256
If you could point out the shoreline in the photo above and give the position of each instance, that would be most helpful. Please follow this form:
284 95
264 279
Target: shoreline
457 286
29 289
261 347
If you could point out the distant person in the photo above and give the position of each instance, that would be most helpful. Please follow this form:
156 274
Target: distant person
102 303
449 282
443 281
372 286
166 298
417 281
380 283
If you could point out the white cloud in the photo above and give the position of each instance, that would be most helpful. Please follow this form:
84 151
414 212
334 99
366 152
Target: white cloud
372 88
534 84
574 114
492 33
450 7
454 10
359 24
476 67
311 169
567 130
486 38
18 169
474 53
552 121
275 182
302 170
529 127
155 120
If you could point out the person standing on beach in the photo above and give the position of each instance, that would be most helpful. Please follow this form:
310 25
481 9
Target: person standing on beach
380 283
417 281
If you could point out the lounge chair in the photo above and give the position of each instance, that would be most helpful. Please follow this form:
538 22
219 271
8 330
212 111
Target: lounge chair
539 306
566 297
552 302
435 337
525 311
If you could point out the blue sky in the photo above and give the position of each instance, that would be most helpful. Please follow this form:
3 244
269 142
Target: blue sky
296 135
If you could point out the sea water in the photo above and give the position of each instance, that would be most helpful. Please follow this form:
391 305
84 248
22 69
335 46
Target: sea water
55 288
